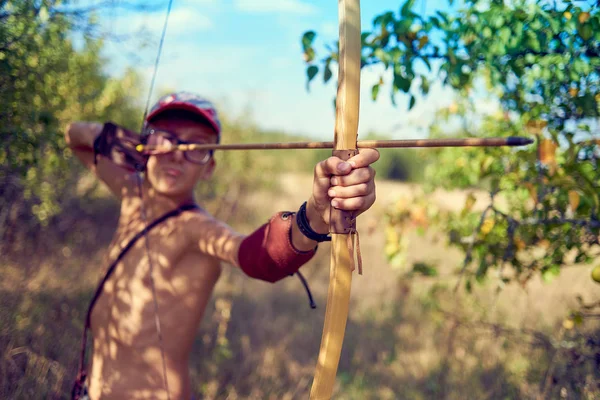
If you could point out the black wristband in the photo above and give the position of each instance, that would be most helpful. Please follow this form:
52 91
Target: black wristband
304 226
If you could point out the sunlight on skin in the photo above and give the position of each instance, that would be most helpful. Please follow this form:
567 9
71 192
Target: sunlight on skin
186 253
123 319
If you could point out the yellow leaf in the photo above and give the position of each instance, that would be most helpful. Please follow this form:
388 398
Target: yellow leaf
583 17
568 15
392 235
520 244
568 323
453 108
596 273
536 126
548 152
573 199
423 40
573 92
391 248
469 203
544 243
419 216
486 163
401 205
487 226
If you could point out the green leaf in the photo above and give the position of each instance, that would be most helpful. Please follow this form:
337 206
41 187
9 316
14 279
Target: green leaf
530 58
585 31
426 61
412 102
406 7
498 21
424 269
550 273
533 42
505 34
487 32
393 95
375 91
424 85
383 56
364 36
327 74
401 82
309 55
307 39
443 15
311 72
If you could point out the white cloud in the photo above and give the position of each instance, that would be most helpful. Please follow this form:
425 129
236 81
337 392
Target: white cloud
280 62
181 21
275 6
184 63
330 29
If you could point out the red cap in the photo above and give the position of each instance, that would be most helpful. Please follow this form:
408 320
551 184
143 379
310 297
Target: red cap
189 102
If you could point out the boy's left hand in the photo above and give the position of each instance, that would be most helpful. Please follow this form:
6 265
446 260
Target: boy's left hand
345 185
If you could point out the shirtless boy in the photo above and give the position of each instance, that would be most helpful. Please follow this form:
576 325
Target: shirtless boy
180 263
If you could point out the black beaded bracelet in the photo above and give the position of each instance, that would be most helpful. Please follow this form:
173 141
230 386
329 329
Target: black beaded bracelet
305 228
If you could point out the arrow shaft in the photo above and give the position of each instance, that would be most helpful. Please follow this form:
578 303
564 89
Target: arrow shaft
361 144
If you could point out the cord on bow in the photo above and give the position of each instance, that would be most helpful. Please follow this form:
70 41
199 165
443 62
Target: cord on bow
354 245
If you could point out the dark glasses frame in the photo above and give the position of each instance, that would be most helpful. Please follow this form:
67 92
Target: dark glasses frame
175 139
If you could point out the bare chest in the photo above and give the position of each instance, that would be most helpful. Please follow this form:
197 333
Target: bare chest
167 268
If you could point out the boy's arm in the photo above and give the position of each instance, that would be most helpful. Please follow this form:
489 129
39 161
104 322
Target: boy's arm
80 137
278 248
272 252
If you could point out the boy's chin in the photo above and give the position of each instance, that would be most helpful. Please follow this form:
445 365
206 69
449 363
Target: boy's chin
174 191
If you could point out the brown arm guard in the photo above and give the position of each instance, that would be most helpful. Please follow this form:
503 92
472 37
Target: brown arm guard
268 253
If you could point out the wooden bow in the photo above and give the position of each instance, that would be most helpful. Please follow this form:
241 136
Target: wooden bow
342 224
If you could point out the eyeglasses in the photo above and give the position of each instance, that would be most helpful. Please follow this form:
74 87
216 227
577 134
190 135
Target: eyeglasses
165 141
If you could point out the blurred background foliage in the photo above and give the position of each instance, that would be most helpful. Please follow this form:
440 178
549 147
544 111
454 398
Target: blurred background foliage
539 63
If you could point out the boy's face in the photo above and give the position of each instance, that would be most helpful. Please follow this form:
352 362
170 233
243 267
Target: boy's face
172 174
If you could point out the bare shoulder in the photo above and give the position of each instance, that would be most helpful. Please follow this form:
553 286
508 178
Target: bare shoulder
212 236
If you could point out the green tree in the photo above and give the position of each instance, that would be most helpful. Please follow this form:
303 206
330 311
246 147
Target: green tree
46 82
541 61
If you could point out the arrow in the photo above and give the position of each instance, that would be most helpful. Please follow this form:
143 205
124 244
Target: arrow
361 144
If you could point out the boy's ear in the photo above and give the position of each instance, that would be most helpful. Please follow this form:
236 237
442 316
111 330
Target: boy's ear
209 169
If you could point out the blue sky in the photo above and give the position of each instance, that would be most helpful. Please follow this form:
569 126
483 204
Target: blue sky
246 56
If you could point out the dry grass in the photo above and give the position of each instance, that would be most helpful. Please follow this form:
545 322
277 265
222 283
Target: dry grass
408 339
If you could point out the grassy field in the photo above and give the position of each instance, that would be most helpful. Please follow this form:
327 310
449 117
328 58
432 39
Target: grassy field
407 337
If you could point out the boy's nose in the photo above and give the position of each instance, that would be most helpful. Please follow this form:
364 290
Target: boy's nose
176 155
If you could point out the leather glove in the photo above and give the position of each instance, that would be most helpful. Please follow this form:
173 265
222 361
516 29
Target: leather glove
119 145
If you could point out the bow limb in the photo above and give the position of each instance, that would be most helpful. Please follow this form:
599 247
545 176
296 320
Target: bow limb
342 224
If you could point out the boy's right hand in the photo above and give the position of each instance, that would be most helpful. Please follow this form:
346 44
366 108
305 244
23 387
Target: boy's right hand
119 145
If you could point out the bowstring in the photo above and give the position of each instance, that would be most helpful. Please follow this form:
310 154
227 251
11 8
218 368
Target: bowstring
153 288
158 54
143 208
